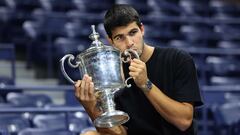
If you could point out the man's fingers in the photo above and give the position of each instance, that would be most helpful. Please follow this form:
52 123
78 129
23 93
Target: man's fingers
84 89
77 88
91 91
87 87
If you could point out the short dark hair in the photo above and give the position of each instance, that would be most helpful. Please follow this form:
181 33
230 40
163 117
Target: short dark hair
120 15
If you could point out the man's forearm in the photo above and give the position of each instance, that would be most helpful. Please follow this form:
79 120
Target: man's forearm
117 130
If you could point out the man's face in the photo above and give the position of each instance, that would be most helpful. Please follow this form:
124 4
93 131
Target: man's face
126 37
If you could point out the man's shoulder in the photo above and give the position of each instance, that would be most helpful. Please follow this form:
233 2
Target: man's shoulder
171 51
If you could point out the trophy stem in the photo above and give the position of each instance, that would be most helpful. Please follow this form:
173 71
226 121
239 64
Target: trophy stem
110 116
107 98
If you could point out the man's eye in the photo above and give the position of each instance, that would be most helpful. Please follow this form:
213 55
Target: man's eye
133 32
119 38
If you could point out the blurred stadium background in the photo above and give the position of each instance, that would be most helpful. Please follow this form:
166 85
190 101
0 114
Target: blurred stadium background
34 34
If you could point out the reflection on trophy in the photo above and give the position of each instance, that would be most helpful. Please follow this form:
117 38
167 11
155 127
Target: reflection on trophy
104 64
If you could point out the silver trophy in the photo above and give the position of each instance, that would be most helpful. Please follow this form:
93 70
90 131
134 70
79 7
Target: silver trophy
104 64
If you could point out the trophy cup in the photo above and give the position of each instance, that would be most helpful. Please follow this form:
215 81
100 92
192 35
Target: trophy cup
104 64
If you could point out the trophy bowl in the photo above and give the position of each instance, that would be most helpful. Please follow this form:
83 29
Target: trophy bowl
104 64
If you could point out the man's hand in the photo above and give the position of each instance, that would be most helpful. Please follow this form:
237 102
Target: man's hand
138 71
84 92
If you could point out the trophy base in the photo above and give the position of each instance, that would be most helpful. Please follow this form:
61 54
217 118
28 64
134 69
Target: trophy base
111 119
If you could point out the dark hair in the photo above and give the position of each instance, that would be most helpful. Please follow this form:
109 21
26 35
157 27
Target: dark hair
120 15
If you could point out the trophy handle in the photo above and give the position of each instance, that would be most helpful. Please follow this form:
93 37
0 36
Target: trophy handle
129 53
70 58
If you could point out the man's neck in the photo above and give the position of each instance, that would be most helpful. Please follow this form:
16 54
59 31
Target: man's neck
147 53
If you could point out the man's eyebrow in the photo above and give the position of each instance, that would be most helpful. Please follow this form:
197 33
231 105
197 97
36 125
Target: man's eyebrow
133 29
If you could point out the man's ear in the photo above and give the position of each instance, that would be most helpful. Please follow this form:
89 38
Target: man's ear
142 28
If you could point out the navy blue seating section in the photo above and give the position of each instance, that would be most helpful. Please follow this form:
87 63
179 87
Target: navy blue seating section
60 123
74 122
223 9
142 6
201 23
13 123
227 118
7 54
57 5
40 131
219 118
28 100
49 29
223 70
199 8
38 122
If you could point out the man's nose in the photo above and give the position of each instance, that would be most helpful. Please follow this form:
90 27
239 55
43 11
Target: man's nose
129 42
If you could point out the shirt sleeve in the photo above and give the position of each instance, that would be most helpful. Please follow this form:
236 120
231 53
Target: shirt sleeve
186 85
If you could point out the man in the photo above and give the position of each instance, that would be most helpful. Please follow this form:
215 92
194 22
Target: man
164 89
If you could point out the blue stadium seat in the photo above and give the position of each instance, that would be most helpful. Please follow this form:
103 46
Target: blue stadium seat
3 104
195 8
73 46
225 44
42 34
224 80
20 11
223 70
6 14
232 97
50 121
162 8
227 31
78 121
77 29
70 45
39 131
224 9
26 5
94 6
87 18
57 5
182 43
142 6
28 100
198 32
13 123
151 31
162 31
51 22
223 66
74 122
7 54
227 117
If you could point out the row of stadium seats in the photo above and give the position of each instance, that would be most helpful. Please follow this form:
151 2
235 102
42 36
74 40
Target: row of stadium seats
199 7
213 69
30 120
47 22
220 114
221 109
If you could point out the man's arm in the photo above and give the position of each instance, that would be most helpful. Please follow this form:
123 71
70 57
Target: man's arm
117 130
177 113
